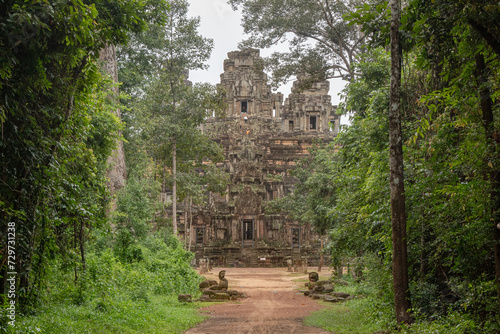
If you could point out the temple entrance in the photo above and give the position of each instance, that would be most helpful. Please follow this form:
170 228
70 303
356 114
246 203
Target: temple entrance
248 233
200 234
248 230
295 237
312 122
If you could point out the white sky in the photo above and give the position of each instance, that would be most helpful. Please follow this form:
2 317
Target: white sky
223 25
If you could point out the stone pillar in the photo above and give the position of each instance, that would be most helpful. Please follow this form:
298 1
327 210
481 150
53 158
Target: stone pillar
202 266
289 264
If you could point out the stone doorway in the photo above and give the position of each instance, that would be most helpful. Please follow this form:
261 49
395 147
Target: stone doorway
248 232
296 238
200 236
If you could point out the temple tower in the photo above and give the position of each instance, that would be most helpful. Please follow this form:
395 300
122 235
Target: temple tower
262 139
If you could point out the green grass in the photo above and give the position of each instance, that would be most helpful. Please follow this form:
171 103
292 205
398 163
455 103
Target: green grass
350 317
344 318
161 314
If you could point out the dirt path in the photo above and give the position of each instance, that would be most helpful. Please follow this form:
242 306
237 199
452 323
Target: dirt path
273 304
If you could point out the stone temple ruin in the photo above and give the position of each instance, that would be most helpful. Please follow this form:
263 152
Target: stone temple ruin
263 137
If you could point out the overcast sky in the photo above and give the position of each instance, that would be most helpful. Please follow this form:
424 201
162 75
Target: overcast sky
223 25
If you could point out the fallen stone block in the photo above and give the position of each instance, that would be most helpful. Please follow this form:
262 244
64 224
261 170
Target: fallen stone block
332 299
328 288
318 289
318 296
221 295
204 284
322 282
233 293
209 292
205 298
185 298
340 294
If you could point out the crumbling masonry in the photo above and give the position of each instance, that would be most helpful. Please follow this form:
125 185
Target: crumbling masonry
263 137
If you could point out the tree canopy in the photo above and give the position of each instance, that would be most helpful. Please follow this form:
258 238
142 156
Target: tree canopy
168 109
321 43
450 119
57 124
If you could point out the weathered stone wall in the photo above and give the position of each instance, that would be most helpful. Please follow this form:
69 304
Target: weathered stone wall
304 105
260 150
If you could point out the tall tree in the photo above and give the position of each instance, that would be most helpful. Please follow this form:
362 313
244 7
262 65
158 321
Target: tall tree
117 170
154 14
322 43
396 176
49 88
472 27
169 115
174 48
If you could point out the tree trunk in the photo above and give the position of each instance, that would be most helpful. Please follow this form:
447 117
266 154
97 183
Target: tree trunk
492 140
185 219
82 244
396 178
190 223
174 185
423 253
117 172
164 187
74 246
321 257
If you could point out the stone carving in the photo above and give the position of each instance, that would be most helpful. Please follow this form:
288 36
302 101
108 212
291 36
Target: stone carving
304 265
223 284
297 263
205 266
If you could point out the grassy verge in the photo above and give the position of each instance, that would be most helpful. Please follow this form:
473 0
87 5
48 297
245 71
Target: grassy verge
353 316
122 290
161 314
345 318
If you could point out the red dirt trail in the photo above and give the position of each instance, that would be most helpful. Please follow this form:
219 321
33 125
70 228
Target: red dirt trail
273 305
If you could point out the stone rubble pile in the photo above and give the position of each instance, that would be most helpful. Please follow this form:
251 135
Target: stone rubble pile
323 290
214 292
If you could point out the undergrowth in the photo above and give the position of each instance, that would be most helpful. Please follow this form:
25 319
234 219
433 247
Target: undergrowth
158 315
362 315
372 311
120 290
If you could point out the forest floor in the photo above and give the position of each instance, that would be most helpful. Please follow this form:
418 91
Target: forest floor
274 304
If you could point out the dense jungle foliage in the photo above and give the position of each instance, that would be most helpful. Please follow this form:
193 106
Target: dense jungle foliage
450 101
85 258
